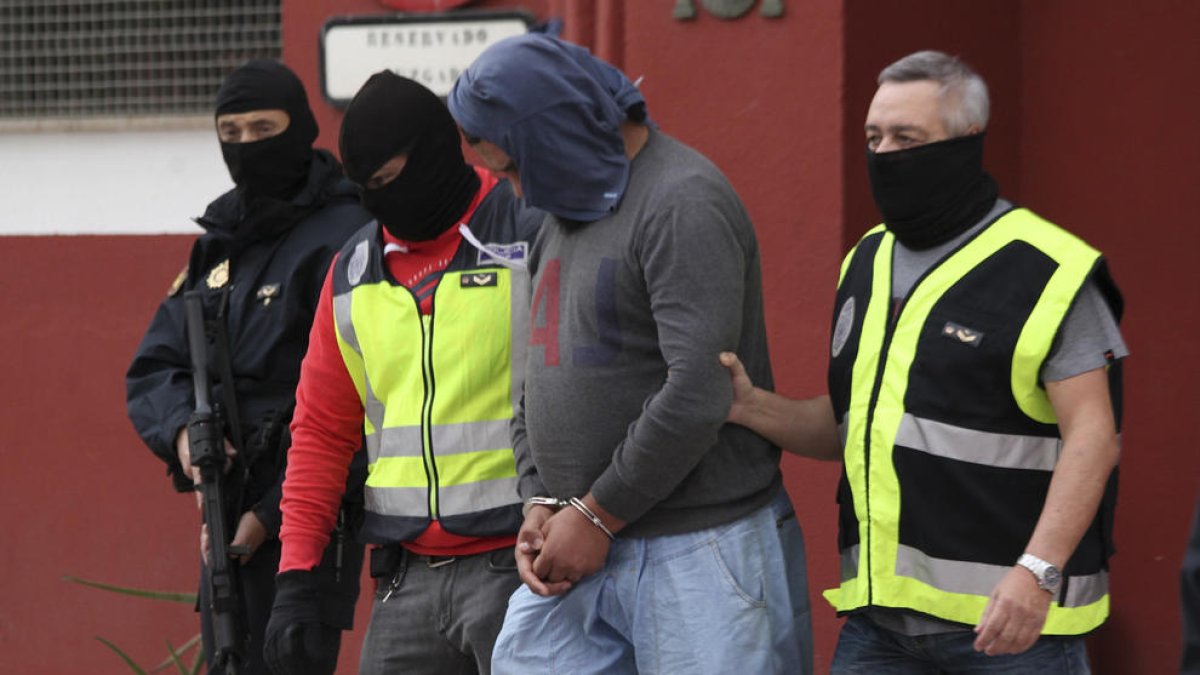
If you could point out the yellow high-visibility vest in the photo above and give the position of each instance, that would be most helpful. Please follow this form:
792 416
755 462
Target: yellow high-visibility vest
950 440
438 390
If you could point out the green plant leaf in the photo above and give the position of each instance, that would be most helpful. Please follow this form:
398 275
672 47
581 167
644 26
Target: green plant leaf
169 596
183 649
198 661
128 661
174 658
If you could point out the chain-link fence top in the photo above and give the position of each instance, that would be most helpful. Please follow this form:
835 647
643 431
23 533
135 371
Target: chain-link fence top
98 58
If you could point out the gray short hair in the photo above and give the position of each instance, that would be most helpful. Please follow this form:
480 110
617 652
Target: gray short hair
963 92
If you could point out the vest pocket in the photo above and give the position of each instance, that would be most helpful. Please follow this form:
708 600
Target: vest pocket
962 367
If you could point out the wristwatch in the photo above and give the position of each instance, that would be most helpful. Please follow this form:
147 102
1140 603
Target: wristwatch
1048 576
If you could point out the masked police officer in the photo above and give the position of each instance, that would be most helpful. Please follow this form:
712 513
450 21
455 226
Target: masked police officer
259 264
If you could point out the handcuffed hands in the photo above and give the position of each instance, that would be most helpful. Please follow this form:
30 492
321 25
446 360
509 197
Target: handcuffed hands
529 546
574 547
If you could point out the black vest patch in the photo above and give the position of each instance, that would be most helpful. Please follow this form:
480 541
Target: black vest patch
478 279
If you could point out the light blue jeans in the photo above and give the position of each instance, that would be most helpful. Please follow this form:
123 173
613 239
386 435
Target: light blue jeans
865 648
729 599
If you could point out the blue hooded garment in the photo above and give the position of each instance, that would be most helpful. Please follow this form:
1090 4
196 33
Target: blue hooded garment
556 111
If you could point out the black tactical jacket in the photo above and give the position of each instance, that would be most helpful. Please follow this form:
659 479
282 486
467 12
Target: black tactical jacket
268 270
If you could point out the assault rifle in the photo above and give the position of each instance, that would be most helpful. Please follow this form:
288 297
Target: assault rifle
206 445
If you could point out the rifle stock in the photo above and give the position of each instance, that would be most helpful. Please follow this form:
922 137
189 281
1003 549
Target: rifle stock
206 445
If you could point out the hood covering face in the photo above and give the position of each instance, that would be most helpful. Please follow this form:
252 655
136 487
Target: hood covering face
393 115
276 167
556 111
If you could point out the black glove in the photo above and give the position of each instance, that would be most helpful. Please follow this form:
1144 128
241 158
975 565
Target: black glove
297 643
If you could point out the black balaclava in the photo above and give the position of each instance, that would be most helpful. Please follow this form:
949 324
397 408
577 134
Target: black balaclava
393 115
275 167
933 192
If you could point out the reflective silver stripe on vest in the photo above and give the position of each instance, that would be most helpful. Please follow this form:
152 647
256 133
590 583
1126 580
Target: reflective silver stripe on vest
849 562
1086 590
398 441
452 500
408 501
450 439
341 315
479 496
1007 451
957 576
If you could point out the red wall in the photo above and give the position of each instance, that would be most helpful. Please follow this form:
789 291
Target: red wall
1110 105
982 32
1093 108
79 493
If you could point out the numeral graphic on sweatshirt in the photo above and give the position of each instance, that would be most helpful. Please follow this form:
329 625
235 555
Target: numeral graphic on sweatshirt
545 306
608 328
545 318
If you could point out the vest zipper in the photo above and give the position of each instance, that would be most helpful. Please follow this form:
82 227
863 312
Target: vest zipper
427 411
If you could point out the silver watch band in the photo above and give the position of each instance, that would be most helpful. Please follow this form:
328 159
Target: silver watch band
1047 575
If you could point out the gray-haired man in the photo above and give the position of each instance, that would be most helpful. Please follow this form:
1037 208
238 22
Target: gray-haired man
972 380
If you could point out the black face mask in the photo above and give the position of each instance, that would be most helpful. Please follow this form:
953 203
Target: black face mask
393 115
931 193
430 194
276 167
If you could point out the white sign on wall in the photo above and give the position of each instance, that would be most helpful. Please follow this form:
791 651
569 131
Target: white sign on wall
431 49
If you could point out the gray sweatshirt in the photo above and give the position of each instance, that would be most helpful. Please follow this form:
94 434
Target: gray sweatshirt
625 397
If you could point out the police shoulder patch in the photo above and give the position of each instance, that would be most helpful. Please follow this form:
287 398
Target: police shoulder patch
357 266
841 330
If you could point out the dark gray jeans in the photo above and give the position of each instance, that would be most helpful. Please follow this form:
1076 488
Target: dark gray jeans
439 619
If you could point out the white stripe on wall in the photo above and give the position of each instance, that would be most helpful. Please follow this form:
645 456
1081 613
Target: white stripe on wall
108 182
